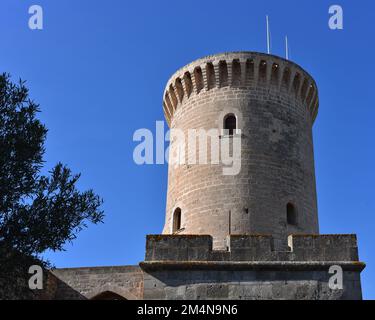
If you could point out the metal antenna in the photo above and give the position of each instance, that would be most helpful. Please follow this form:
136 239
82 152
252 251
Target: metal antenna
268 36
286 48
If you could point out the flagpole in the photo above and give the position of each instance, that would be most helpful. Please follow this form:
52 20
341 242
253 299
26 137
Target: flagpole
268 35
286 48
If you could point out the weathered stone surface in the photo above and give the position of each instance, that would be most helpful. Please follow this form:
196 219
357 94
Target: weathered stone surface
87 283
275 102
250 268
252 248
187 283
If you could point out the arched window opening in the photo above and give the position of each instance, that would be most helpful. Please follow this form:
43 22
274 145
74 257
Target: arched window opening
236 73
210 73
179 89
249 70
304 89
188 83
223 74
275 74
286 78
176 220
230 123
296 84
198 79
262 71
173 97
291 214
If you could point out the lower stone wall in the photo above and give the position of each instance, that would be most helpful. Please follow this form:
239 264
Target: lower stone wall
187 267
89 283
232 283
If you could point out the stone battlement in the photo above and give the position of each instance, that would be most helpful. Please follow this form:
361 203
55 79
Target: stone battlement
240 70
187 267
252 248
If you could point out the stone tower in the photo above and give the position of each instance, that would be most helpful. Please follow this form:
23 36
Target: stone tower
251 234
274 103
248 233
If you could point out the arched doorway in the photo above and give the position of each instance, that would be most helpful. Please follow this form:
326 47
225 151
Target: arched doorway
110 292
108 295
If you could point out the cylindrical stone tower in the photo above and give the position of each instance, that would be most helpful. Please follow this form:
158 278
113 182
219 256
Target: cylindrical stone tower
270 104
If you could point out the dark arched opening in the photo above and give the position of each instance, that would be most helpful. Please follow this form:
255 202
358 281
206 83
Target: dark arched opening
108 295
176 220
230 123
291 214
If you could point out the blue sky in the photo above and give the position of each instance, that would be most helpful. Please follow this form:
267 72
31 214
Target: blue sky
98 70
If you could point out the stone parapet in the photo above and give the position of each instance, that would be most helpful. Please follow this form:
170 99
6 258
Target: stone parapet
252 248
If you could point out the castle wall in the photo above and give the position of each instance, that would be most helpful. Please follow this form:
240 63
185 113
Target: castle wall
227 284
87 283
250 267
187 267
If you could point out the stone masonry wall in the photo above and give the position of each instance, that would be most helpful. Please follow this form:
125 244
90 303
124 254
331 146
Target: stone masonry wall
275 103
197 284
304 248
87 283
186 267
